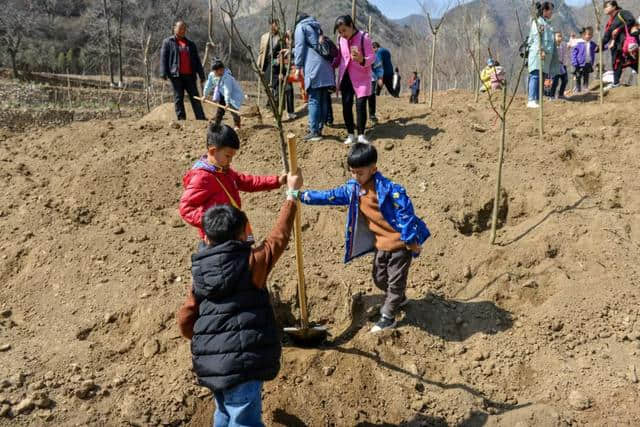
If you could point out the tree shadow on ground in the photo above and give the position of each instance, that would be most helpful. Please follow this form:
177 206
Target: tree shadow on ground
475 419
451 320
563 209
402 128
586 97
280 416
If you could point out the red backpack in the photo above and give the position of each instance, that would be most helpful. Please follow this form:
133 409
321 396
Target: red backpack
630 45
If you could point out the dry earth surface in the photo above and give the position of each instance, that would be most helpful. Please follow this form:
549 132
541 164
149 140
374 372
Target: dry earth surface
541 329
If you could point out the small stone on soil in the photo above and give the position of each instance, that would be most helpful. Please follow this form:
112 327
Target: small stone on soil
24 406
328 370
5 347
579 401
151 348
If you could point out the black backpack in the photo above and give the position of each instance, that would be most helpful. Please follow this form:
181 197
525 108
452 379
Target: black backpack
327 48
523 50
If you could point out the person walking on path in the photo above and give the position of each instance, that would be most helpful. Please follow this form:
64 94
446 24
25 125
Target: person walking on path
541 38
354 75
318 72
615 33
180 63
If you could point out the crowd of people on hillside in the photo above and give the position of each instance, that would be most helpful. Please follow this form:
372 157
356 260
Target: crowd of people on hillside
547 52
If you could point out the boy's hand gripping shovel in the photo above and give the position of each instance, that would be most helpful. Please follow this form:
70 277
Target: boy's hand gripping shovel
305 335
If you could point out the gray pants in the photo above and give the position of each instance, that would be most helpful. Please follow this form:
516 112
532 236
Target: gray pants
390 272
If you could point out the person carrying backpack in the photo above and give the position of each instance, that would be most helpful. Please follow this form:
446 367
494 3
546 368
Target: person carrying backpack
616 38
318 72
354 63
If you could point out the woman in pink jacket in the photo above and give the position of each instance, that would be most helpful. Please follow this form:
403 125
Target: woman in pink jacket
354 74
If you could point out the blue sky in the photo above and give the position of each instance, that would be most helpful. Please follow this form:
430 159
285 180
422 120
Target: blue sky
396 9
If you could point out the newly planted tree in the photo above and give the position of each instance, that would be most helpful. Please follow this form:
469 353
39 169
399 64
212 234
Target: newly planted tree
424 5
229 10
501 112
598 13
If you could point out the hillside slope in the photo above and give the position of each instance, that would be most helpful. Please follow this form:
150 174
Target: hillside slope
541 329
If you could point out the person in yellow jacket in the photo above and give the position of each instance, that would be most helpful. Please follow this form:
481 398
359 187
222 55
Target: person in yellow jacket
492 76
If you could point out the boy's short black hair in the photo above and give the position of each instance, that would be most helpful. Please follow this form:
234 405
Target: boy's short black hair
362 155
223 223
219 136
375 45
217 64
586 30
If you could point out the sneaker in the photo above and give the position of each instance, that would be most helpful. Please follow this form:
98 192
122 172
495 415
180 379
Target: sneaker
373 119
350 139
312 136
384 323
363 140
533 104
404 302
611 86
292 116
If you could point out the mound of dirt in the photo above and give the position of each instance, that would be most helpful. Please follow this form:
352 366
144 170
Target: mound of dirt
541 329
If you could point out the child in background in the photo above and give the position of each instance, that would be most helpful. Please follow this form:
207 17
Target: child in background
228 316
563 78
414 85
492 76
583 56
380 219
226 91
211 181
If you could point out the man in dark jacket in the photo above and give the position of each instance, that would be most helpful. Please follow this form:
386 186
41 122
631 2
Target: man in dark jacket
180 63
235 342
613 39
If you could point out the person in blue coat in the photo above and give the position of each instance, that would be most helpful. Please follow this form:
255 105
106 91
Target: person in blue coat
380 219
318 72
542 43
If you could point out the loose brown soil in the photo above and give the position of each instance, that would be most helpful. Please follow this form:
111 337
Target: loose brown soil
541 329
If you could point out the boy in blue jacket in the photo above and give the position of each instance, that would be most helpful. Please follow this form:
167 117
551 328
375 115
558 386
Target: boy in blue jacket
380 220
226 91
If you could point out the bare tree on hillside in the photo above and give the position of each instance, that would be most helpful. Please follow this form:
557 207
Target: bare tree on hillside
119 41
434 40
107 42
598 13
501 112
16 22
210 44
229 10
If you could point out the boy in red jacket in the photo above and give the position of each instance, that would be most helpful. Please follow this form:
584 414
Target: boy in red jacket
211 181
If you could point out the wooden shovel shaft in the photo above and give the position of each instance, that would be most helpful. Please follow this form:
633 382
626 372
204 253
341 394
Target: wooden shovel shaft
208 101
297 230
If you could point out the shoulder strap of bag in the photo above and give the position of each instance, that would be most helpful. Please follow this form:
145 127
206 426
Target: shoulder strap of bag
231 199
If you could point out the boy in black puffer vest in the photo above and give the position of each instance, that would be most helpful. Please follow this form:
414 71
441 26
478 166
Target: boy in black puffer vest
235 343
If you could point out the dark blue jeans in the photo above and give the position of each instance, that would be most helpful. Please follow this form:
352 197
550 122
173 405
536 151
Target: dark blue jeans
239 406
317 109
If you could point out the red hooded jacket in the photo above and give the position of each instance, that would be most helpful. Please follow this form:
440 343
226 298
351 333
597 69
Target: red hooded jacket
202 190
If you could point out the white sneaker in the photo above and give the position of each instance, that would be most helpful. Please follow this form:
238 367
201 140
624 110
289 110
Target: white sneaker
363 140
533 104
350 139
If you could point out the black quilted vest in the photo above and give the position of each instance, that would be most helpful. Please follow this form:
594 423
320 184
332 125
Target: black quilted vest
235 338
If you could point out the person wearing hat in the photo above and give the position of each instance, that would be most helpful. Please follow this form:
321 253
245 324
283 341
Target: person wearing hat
492 76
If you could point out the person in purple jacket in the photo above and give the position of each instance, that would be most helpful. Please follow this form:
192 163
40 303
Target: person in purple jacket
583 56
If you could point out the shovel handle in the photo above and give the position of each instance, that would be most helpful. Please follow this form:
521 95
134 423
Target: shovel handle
297 233
224 107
